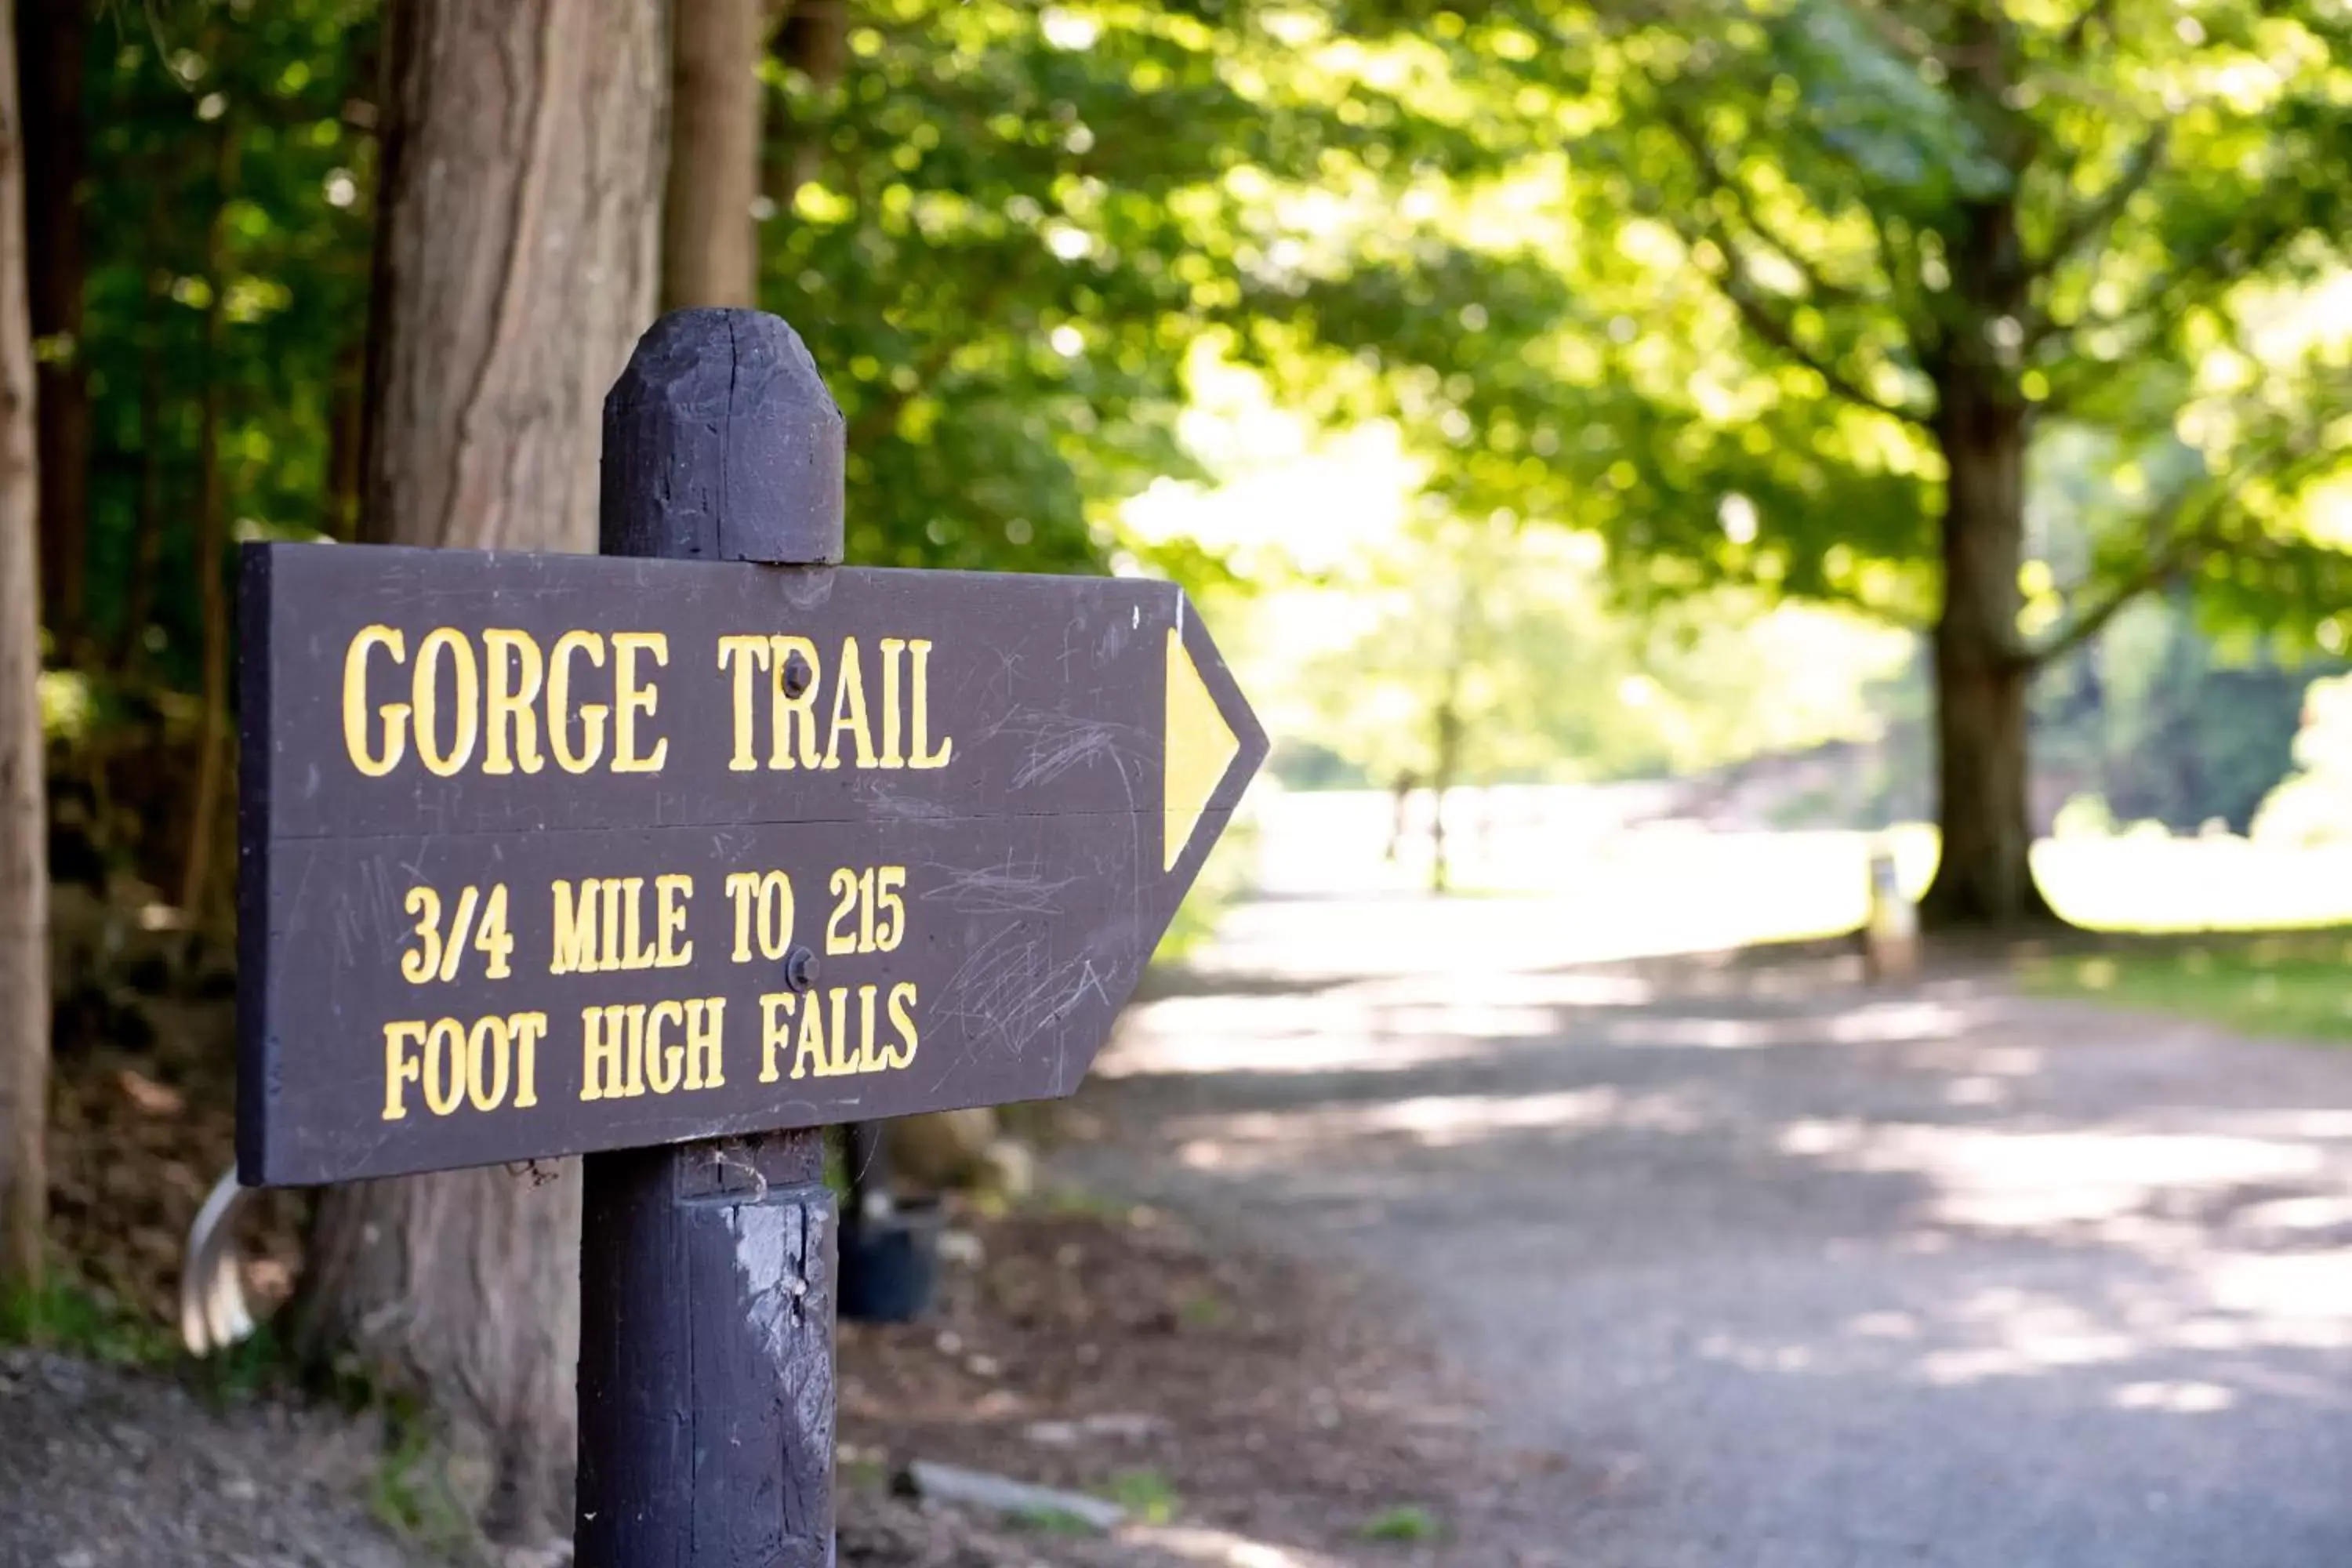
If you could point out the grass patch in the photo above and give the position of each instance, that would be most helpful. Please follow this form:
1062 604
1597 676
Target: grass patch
1147 1494
411 1493
2285 983
1053 1522
259 1363
67 1316
1408 1523
1202 1310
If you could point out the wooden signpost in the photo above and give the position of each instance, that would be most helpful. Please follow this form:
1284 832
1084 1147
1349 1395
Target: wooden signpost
672 855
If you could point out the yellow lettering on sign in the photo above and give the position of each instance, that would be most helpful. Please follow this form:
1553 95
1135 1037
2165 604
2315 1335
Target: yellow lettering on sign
454 1063
841 1059
763 908
809 1049
706 1021
665 1065
517 672
775 914
611 1047
488 1044
775 1031
634 696
559 704
575 930
749 655
424 694
601 927
924 757
743 889
891 647
634 953
793 715
629 1049
902 1019
670 893
866 1060
373 764
399 1067
527 1030
797 679
444 1066
609 891
494 699
812 1056
849 710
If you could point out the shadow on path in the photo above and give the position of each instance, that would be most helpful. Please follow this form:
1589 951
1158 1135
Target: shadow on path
1810 1273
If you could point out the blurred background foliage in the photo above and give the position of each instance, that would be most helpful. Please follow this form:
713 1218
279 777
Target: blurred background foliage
1642 321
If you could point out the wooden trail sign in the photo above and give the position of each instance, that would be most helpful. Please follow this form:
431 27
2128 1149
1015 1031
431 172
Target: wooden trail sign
672 855
553 854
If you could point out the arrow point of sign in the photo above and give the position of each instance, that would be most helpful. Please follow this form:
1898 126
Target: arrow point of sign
1200 747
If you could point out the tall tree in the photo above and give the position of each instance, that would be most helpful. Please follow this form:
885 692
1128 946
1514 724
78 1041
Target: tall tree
2050 214
1830 267
23 829
515 266
709 246
50 35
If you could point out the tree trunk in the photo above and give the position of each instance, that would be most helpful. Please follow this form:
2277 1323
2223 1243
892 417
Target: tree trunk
50 35
346 409
148 526
710 245
204 814
813 41
515 266
516 254
1986 876
24 843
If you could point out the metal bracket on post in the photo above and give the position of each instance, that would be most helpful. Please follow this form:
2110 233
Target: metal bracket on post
708 1270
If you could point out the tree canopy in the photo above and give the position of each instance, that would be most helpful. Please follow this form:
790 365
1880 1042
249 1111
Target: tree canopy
1757 295
1728 359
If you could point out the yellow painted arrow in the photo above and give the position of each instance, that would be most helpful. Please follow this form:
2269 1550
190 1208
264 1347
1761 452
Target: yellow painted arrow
1200 747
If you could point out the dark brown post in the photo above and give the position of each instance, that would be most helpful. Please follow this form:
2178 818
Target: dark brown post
707 1269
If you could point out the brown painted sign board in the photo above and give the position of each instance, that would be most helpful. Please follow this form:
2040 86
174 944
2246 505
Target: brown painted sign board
545 855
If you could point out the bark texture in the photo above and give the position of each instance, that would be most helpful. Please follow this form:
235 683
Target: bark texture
207 823
51 34
709 250
1982 676
24 859
1983 670
515 261
464 1287
515 268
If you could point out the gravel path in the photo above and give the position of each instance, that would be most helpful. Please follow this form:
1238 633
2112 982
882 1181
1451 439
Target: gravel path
1794 1272
105 1468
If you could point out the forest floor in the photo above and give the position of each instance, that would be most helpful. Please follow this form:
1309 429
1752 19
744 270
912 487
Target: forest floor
1245 1412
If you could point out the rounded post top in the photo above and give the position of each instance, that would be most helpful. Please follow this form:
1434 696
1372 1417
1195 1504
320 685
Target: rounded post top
722 443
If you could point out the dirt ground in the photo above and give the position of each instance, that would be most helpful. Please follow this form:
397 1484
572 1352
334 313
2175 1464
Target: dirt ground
1245 1410
1250 1403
